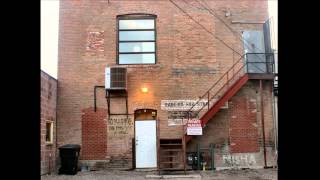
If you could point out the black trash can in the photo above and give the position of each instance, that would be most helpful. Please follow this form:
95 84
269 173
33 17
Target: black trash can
69 155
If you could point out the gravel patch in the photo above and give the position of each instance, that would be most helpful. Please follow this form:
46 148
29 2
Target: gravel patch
247 174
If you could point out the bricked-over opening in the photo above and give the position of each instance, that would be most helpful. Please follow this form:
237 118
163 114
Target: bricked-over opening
94 134
243 128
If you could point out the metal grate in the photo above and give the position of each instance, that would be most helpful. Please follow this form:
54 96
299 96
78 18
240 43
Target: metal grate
118 78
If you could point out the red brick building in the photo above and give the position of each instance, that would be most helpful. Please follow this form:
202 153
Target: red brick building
173 52
48 123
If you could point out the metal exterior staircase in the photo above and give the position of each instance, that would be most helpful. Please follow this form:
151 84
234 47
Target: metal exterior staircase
172 152
220 92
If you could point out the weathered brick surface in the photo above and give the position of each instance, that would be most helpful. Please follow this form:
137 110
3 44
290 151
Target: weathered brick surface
48 112
189 60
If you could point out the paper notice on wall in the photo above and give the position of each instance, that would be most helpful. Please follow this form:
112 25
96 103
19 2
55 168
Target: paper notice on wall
194 127
177 110
194 131
179 117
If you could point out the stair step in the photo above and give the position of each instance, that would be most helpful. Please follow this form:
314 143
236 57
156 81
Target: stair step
170 144
168 156
170 162
171 150
171 169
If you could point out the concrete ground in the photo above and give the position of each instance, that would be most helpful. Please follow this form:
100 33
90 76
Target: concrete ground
248 174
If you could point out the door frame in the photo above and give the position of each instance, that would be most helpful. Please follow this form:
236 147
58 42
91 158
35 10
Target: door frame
134 137
250 50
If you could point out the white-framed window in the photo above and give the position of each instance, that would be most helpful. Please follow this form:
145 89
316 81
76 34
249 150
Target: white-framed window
49 132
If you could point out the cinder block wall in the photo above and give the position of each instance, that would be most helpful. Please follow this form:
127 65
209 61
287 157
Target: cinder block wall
48 112
189 60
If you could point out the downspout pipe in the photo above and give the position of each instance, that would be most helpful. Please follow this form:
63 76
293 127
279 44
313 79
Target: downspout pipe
275 129
56 149
95 96
274 113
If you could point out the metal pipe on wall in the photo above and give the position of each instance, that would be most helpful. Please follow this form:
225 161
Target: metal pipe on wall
56 148
276 112
275 121
262 120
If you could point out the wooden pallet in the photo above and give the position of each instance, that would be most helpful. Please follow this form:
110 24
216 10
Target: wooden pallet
171 154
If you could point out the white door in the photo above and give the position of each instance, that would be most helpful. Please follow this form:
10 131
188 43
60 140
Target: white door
146 146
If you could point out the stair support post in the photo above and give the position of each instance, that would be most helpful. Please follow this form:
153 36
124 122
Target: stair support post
227 79
198 155
211 147
184 156
262 120
208 101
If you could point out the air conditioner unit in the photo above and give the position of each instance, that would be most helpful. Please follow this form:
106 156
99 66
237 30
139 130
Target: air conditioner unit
116 78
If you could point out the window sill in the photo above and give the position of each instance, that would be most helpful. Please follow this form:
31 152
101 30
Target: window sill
138 65
49 143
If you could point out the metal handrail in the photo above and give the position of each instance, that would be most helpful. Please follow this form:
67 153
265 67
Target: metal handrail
231 68
216 83
227 83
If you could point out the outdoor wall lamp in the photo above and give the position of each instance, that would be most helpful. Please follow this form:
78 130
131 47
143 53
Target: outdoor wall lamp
144 89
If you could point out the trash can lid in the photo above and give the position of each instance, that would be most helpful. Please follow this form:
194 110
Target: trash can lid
70 146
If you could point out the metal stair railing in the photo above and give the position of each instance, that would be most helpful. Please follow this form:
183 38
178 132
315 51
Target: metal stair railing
217 90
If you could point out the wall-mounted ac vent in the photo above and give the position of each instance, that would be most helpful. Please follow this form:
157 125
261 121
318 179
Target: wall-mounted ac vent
116 78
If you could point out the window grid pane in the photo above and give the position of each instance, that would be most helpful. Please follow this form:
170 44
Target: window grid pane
136 24
137 58
136 35
137 47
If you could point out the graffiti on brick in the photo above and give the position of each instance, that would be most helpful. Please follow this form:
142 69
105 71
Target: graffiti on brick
120 126
239 160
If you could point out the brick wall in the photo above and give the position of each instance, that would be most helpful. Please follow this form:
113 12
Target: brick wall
189 59
48 113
